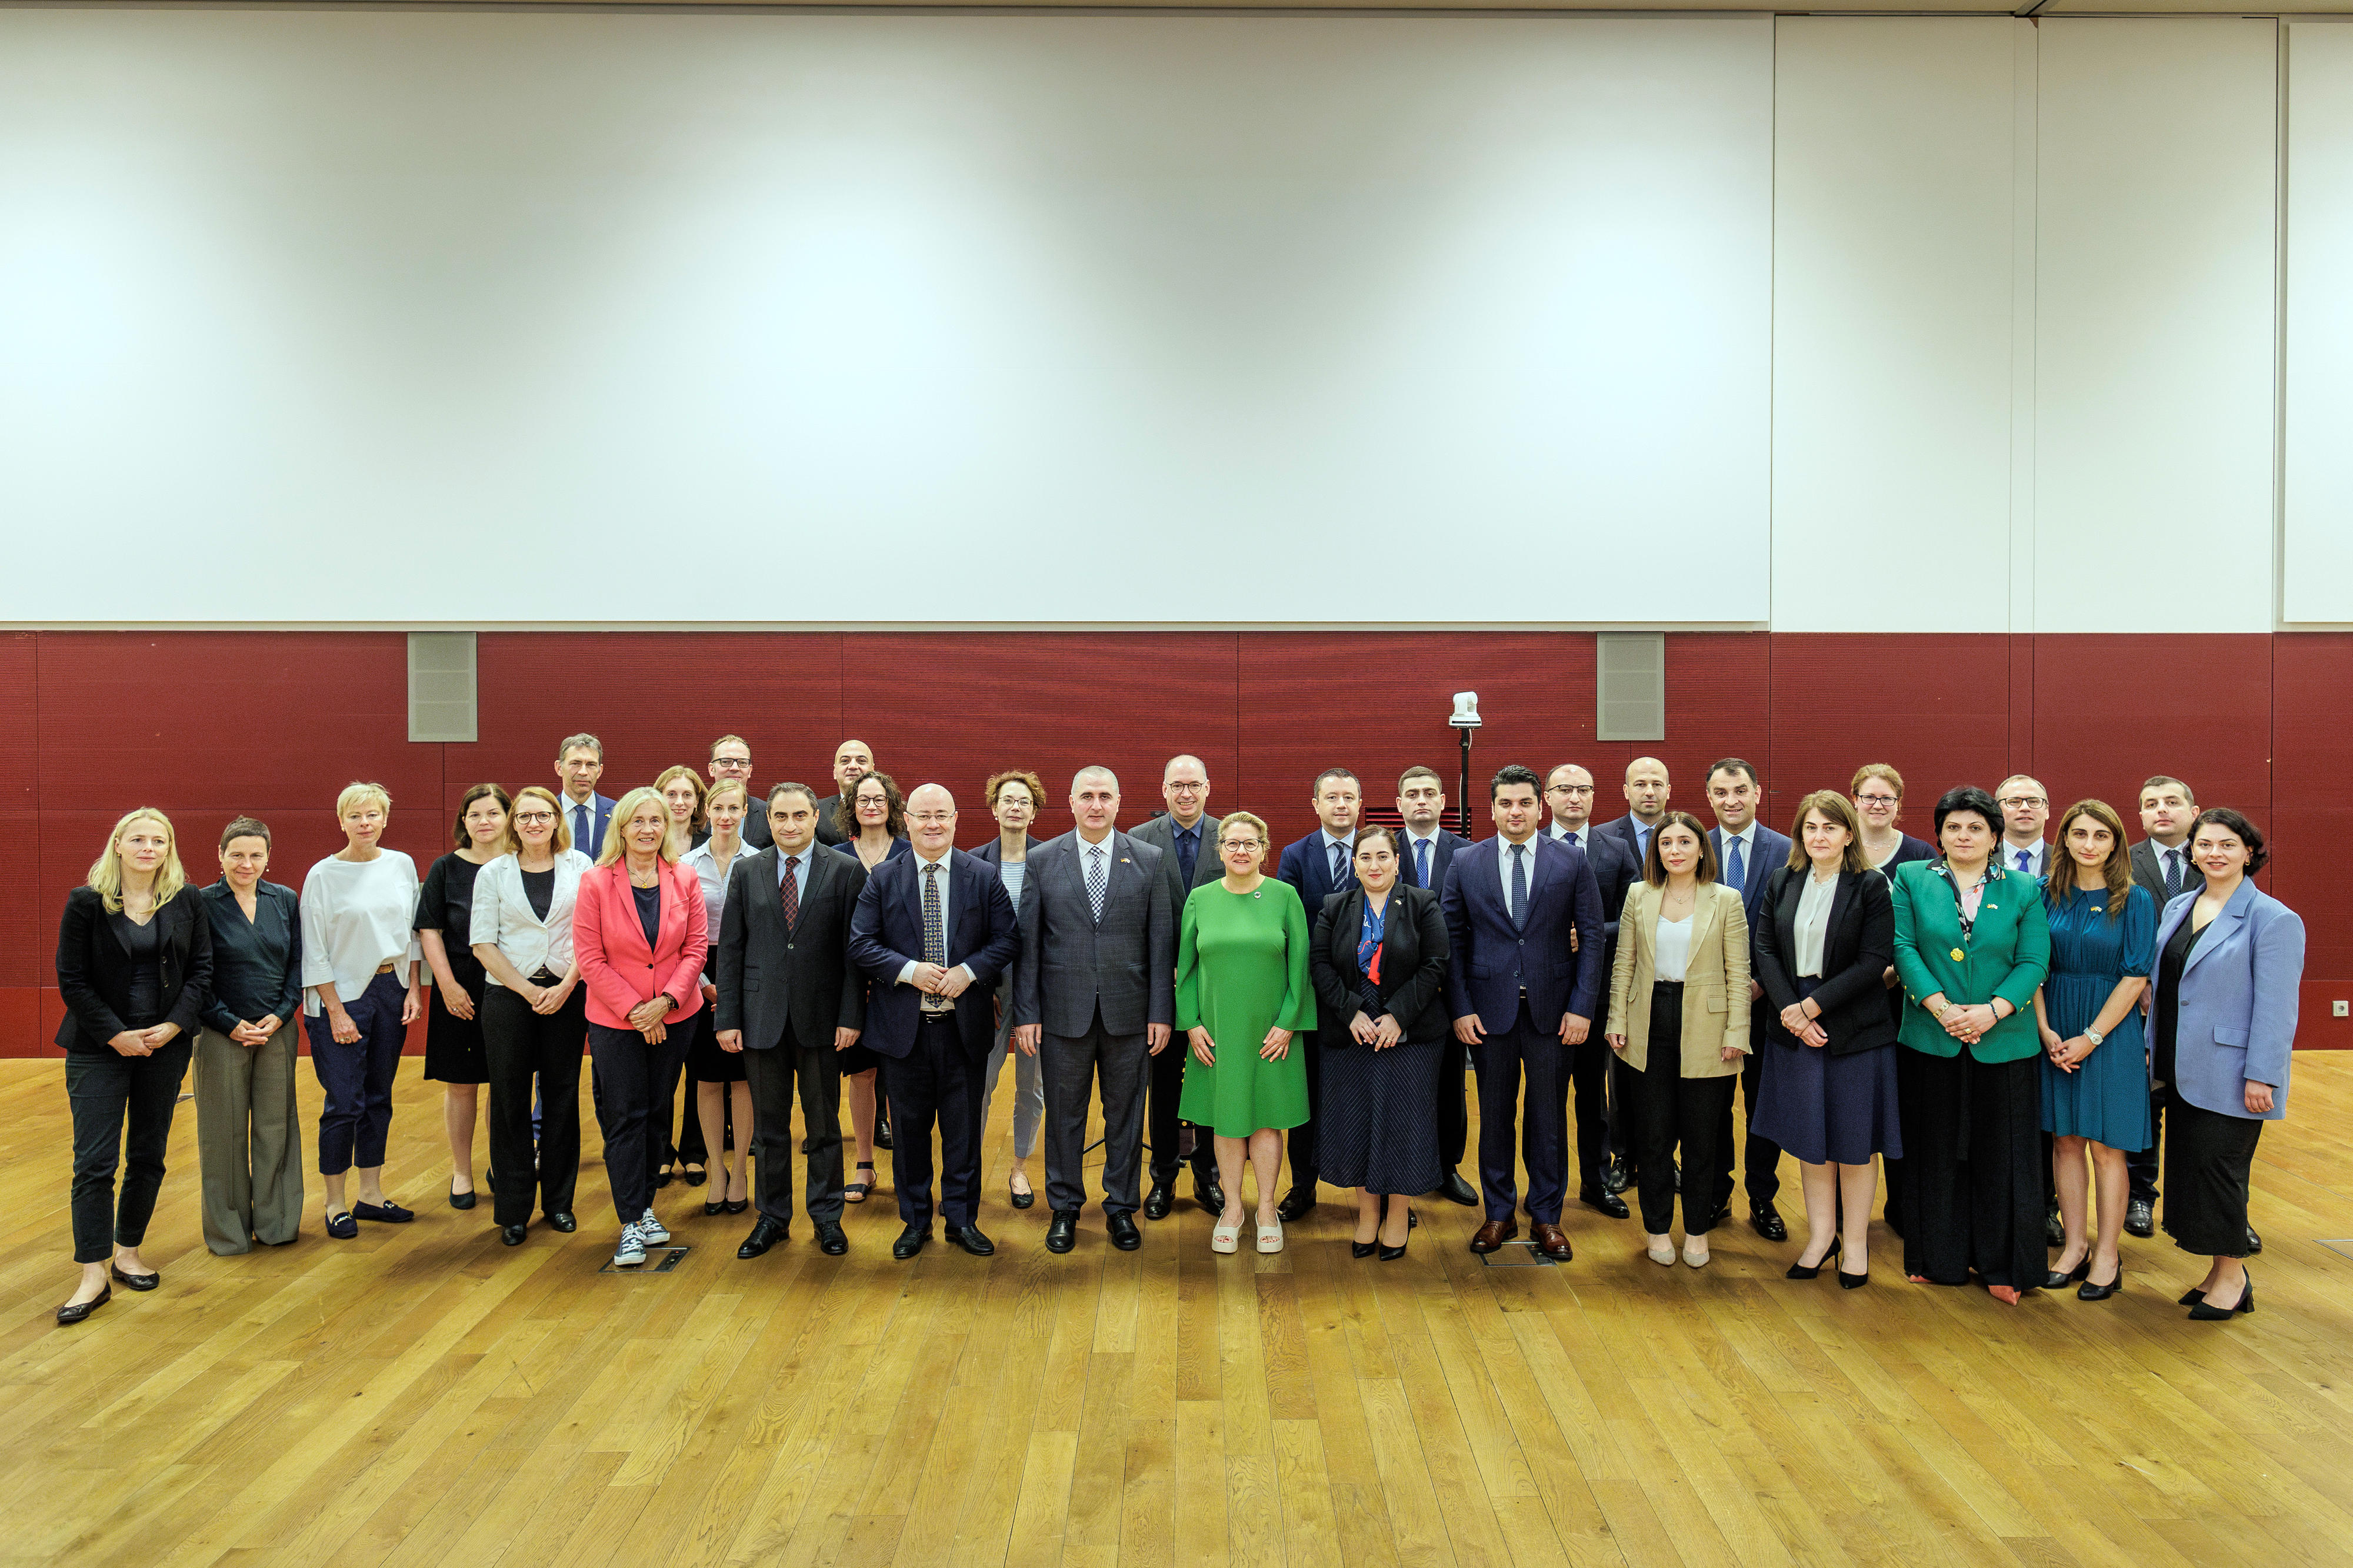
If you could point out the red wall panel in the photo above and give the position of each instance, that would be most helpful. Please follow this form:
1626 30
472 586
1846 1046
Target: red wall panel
206 725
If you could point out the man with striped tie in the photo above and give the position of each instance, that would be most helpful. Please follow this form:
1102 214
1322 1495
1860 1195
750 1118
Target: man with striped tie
1094 999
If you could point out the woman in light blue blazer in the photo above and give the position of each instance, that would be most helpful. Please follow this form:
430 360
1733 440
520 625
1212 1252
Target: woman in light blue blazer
2230 959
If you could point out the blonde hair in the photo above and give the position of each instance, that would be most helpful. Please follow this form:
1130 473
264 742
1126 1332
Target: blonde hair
625 810
355 793
1883 773
560 840
106 871
1234 819
725 787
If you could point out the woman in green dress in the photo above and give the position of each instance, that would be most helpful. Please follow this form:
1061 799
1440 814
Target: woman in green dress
1243 991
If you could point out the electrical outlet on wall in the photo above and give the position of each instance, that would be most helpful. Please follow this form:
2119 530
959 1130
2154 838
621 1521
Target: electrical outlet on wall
2338 1009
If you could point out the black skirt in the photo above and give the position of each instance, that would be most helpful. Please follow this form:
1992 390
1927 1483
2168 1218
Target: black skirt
706 1062
1973 1169
2209 1159
453 1046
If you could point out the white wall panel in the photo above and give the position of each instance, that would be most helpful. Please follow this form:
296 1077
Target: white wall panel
2317 545
483 318
2155 325
1894 247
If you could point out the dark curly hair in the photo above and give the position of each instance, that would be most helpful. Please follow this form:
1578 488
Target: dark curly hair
2248 833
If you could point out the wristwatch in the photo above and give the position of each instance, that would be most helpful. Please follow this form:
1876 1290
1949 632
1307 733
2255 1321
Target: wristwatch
2094 1035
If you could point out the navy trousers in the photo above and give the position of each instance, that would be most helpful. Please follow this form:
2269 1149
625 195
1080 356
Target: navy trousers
357 1120
937 1082
1502 1059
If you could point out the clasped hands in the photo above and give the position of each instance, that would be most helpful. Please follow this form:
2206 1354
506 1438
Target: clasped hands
1967 1022
2065 1055
1276 1045
255 1033
1573 1029
1805 1026
1380 1036
143 1042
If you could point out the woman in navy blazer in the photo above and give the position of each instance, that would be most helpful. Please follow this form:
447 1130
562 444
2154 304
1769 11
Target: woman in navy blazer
2230 959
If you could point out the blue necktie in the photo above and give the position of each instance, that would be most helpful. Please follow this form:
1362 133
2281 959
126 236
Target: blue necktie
1421 861
1735 874
1519 886
1572 839
2023 858
1339 867
580 831
1188 850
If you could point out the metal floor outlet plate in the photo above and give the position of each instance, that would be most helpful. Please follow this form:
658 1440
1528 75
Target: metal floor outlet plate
659 1260
1534 1259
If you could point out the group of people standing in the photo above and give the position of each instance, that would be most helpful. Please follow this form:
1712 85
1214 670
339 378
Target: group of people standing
2003 1036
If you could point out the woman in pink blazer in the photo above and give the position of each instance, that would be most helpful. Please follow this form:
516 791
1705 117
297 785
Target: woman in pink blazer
639 933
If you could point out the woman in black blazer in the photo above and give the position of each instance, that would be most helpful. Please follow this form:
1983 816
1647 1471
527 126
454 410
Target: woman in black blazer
134 958
1378 958
1827 1093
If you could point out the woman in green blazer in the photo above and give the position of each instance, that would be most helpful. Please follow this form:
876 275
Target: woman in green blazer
1972 945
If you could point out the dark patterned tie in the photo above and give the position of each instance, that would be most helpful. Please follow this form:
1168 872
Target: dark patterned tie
2173 873
1736 875
1421 861
1339 867
1519 886
791 889
1097 884
935 935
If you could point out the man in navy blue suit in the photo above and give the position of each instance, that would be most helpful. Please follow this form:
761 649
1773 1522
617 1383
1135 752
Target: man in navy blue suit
1426 851
933 931
1523 933
1747 853
580 764
1569 792
1316 867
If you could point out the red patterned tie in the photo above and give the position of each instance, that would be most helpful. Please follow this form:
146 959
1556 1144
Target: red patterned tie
791 889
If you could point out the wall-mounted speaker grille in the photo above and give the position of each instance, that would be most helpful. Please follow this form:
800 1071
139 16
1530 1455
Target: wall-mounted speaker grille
442 686
1629 685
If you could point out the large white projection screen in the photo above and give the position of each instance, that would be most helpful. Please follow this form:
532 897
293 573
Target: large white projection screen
495 319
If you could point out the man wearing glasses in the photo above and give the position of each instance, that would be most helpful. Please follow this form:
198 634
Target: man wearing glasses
2025 810
1602 1122
1187 837
730 758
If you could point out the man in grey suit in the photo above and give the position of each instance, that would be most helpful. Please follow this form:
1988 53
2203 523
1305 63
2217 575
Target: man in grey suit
1095 998
789 1001
1187 838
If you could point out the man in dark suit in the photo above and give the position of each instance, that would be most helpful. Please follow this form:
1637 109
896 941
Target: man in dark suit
580 764
1569 792
933 931
1646 788
2161 863
1187 837
731 759
1747 853
852 761
1424 853
1316 867
787 1000
1523 984
1095 1000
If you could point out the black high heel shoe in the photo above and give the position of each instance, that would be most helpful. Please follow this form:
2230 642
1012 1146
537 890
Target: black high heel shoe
1391 1254
2058 1280
2088 1291
1362 1248
715 1206
2207 1312
1813 1270
1853 1281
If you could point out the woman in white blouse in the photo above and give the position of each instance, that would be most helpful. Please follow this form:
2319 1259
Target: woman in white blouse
718 1074
1827 1089
535 1013
362 987
1679 1013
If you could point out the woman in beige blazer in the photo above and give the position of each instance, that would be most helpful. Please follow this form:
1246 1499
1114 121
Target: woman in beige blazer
1680 997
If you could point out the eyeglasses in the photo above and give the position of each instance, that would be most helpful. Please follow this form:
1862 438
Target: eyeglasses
523 817
1570 789
731 761
1878 799
1242 844
2022 800
931 818
1184 787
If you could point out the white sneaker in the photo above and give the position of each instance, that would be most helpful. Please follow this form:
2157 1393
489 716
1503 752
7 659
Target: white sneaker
650 1231
632 1250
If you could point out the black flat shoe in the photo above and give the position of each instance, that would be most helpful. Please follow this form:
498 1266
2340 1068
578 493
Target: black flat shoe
561 1220
2088 1291
2207 1312
136 1281
512 1235
2059 1281
76 1311
343 1226
1022 1200
458 1200
386 1213
694 1177
1814 1271
661 1178
737 1205
1363 1249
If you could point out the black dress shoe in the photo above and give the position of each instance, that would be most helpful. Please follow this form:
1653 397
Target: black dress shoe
1766 1221
2057 1280
512 1235
831 1239
766 1234
1618 1175
2055 1229
1455 1190
2140 1218
77 1312
2254 1242
2088 1291
911 1241
1018 1198
1160 1201
1609 1203
136 1281
1123 1233
883 1133
458 1200
1209 1193
561 1220
1063 1231
1296 1205
970 1237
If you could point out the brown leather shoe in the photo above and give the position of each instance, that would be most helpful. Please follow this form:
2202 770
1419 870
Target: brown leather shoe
1553 1243
1494 1234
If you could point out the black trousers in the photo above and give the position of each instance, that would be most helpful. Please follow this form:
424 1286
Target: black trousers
1306 1158
1543 1129
937 1082
1589 1082
108 1093
1760 1157
2141 1164
1454 1106
775 1074
1973 1169
630 1073
1670 1111
521 1045
1163 1130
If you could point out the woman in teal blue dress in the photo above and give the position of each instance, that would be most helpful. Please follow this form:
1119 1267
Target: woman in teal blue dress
2095 1067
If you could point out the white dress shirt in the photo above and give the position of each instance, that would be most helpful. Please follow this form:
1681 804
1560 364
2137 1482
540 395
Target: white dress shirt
505 919
2037 854
1813 922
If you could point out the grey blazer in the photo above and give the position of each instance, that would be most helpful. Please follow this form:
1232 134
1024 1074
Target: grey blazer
773 977
1070 966
1161 834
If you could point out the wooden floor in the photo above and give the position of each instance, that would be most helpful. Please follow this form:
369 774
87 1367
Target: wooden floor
425 1396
